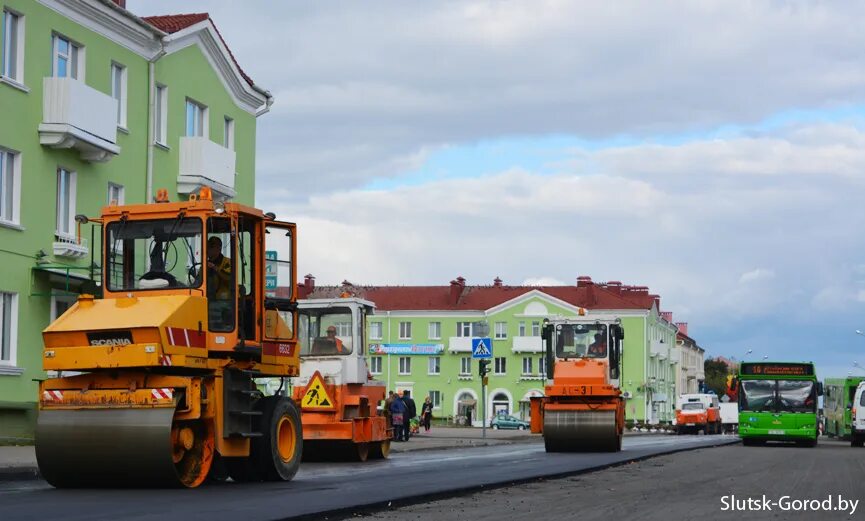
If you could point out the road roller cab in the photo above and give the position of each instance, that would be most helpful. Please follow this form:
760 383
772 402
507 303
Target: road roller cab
338 397
189 317
582 406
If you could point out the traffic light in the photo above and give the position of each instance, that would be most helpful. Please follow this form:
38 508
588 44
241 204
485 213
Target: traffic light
483 367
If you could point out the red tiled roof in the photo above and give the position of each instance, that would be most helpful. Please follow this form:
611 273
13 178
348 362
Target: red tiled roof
476 298
173 23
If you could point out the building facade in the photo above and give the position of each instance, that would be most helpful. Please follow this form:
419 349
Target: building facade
420 340
691 372
100 107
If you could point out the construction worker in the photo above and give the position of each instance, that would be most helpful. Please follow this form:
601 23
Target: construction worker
218 270
331 335
598 348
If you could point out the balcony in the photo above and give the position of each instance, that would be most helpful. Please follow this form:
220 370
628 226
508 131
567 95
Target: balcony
205 163
70 247
528 344
460 344
80 117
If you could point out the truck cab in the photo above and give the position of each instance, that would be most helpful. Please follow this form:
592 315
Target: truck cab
857 416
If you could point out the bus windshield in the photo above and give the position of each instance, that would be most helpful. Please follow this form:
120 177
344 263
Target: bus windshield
778 396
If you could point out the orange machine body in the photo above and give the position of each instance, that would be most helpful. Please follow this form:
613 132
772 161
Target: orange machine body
698 412
353 417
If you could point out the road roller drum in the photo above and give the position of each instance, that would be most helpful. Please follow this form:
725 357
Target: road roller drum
580 430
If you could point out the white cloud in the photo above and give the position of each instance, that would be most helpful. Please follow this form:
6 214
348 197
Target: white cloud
542 281
755 275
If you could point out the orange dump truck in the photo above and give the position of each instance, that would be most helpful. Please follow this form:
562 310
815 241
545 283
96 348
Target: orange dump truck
582 408
698 412
338 398
168 355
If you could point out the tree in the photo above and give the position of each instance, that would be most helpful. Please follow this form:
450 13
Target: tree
716 376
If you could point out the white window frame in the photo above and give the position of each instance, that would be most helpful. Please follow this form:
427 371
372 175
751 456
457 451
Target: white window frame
75 68
542 366
228 133
375 330
464 329
161 115
500 365
70 210
404 365
501 330
200 123
522 328
536 328
527 365
465 366
343 329
17 61
118 82
8 332
55 299
10 172
375 364
434 365
435 330
436 399
405 330
121 194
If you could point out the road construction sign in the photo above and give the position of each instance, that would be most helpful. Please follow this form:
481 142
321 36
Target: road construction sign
316 396
482 348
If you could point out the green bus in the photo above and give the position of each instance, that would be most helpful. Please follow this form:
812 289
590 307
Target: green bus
778 402
837 402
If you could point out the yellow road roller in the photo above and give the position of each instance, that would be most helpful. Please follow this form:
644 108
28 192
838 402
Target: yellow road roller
155 380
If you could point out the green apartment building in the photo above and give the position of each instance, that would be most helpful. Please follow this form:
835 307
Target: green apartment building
98 106
420 339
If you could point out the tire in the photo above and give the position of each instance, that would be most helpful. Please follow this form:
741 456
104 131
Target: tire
380 450
277 453
495 427
857 441
521 427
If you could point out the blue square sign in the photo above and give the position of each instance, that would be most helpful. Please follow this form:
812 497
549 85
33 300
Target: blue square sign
482 348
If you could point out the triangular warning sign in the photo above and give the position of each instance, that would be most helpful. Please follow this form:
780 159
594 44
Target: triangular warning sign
316 396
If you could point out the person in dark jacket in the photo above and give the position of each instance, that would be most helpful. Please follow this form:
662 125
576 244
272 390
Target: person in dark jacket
411 412
398 417
426 413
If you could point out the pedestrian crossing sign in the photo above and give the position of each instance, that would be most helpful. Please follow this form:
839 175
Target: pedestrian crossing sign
482 348
316 396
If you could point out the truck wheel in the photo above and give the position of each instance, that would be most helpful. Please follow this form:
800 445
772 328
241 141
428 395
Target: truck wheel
279 452
857 441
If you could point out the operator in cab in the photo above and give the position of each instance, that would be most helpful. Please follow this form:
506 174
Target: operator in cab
331 335
218 270
598 348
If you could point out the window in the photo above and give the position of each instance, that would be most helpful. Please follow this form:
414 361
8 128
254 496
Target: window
536 328
542 366
527 365
196 119
436 399
343 329
500 365
228 133
116 194
464 329
404 365
466 365
68 59
375 365
405 330
161 115
501 330
522 329
65 203
9 186
12 47
375 330
118 91
435 365
8 327
435 330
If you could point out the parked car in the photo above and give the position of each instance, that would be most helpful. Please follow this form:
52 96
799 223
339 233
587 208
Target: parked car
503 421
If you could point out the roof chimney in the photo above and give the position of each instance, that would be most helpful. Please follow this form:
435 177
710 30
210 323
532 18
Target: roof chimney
309 282
657 300
121 3
457 287
497 282
583 281
615 286
667 315
683 327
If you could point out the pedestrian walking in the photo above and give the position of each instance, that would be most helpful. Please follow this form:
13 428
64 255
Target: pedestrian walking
388 415
426 413
411 413
398 416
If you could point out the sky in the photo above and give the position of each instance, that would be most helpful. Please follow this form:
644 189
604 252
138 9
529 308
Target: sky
713 151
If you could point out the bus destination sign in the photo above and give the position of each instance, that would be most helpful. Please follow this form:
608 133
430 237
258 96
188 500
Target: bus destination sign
777 369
